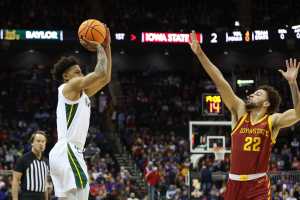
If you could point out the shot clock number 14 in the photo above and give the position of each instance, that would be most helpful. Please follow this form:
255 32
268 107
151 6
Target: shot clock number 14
212 104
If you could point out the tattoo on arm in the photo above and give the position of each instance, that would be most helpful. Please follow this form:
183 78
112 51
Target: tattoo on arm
295 93
101 66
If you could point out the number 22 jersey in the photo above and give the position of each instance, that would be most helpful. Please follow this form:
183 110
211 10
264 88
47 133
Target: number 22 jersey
251 145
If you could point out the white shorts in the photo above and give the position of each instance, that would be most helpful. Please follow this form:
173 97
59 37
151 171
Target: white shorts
62 175
76 194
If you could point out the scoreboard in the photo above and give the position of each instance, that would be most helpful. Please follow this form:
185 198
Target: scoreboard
205 37
212 105
236 36
213 38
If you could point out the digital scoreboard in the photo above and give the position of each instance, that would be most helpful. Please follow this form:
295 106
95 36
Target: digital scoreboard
204 37
213 38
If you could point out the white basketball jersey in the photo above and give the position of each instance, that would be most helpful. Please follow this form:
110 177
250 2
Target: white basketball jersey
73 118
68 169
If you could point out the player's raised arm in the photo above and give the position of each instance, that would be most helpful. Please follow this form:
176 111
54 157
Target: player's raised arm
291 116
100 83
232 102
291 76
100 72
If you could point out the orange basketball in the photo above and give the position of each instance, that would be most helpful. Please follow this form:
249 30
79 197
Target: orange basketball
92 30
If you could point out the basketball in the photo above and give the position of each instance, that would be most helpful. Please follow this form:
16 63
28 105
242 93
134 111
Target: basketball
92 30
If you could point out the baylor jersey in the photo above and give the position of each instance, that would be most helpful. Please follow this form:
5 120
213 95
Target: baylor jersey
73 118
68 169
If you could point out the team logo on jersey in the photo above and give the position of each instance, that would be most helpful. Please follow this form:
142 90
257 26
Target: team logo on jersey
256 131
87 102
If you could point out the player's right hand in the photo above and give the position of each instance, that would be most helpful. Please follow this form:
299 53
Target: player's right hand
89 45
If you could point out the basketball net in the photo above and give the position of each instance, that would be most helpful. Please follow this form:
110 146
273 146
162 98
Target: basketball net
219 153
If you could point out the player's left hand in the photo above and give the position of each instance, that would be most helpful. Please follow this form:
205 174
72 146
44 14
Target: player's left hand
89 45
291 72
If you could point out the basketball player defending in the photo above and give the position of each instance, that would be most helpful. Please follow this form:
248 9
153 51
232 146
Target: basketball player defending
256 126
67 166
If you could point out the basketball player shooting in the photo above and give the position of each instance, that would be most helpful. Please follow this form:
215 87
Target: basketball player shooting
68 169
255 128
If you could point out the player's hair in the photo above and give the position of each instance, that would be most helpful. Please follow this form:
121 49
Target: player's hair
40 132
62 65
273 97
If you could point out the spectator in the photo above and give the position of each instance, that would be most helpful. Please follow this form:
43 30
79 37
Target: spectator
152 178
132 197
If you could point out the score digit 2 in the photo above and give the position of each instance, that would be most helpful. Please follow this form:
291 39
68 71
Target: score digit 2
214 38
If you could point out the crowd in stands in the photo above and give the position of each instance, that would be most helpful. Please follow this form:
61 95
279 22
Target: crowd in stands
275 14
120 16
153 121
35 14
134 15
164 159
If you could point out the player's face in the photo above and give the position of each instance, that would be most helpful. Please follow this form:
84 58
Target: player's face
257 99
39 143
73 72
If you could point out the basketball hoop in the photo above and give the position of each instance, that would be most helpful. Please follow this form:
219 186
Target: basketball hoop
219 153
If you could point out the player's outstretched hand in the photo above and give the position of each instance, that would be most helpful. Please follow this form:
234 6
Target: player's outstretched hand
291 72
194 43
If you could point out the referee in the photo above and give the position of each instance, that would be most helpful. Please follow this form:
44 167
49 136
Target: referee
31 171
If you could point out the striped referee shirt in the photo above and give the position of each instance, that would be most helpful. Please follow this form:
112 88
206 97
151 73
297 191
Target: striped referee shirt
34 173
